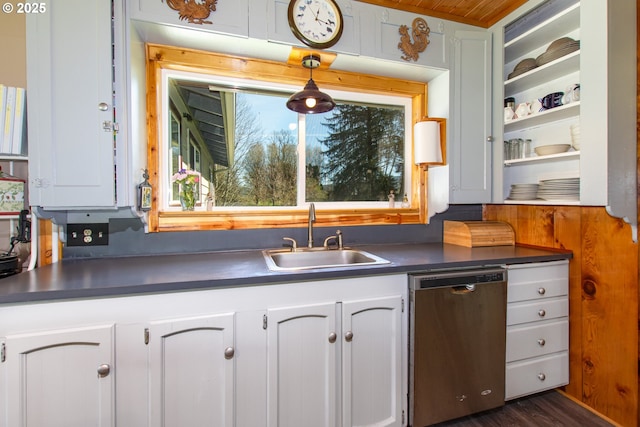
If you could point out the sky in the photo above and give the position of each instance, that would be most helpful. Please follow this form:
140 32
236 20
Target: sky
275 116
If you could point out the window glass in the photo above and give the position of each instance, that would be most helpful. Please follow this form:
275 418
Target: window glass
174 150
355 153
261 154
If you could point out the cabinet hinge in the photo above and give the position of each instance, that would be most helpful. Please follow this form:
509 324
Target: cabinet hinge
264 321
109 126
3 352
146 336
403 417
402 306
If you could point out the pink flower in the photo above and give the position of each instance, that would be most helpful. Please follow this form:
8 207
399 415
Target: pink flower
184 176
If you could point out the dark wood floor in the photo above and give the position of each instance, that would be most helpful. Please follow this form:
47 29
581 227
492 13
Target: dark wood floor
541 410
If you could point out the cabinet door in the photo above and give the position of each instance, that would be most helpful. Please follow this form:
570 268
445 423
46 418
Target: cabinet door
60 378
227 17
302 351
191 371
372 362
471 125
70 90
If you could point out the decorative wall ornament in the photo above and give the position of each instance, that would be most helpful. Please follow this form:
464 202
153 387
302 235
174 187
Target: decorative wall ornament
145 193
420 31
193 11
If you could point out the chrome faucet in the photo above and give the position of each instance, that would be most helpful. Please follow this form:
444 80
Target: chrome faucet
337 238
312 218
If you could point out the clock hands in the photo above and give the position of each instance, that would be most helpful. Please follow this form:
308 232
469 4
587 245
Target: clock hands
328 22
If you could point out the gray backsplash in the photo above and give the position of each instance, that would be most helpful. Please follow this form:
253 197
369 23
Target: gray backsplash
127 236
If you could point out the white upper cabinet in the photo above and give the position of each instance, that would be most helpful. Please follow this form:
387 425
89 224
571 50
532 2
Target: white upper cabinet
278 26
545 49
80 158
380 36
70 78
470 142
226 17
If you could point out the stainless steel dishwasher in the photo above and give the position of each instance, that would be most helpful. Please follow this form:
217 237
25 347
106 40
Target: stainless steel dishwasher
457 343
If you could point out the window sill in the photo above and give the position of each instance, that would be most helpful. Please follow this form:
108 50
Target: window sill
237 220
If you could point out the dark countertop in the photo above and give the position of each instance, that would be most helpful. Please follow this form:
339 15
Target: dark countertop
120 276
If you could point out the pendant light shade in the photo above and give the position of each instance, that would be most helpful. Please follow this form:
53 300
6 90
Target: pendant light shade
310 100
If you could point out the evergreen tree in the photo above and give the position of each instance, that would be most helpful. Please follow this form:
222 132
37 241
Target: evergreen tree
364 152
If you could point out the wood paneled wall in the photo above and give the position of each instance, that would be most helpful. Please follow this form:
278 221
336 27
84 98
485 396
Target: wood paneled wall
603 299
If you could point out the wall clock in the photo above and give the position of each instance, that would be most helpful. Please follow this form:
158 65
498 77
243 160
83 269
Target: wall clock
316 23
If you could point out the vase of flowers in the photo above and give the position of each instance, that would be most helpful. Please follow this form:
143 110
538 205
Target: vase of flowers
188 180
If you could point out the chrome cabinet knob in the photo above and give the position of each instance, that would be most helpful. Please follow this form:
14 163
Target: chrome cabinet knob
542 376
542 291
103 106
229 352
348 336
541 342
542 313
332 337
103 370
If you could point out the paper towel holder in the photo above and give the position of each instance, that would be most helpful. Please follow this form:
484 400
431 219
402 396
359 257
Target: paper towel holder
430 142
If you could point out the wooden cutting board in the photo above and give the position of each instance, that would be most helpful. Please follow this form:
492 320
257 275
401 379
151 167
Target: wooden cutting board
478 233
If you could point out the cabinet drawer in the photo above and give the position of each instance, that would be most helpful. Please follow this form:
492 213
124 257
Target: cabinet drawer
532 311
535 290
534 375
538 272
537 339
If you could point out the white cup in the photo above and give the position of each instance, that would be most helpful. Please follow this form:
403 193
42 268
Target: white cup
571 94
523 110
536 106
508 114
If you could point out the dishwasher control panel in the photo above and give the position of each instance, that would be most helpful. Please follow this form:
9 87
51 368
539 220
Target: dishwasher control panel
459 278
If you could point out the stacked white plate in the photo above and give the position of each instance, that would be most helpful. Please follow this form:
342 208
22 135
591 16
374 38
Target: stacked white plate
523 191
559 189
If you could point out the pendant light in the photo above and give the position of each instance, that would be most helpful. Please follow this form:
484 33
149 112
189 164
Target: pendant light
310 100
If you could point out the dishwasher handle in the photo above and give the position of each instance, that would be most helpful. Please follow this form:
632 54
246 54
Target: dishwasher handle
457 279
463 290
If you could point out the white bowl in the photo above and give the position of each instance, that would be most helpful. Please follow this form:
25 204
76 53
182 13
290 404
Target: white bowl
545 150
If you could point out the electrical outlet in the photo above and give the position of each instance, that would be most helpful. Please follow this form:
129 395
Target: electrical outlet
87 234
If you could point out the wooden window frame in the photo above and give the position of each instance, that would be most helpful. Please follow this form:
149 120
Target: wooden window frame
161 57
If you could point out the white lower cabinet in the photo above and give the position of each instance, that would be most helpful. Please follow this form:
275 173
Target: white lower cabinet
372 360
58 378
324 353
191 371
537 328
317 353
302 366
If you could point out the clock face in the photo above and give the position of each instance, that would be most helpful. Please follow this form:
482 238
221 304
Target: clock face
317 23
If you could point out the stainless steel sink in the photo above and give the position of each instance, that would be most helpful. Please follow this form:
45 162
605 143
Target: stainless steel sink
301 259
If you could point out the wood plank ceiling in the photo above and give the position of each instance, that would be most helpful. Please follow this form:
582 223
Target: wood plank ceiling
481 13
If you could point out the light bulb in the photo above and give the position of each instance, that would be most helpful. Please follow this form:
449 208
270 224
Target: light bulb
310 102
